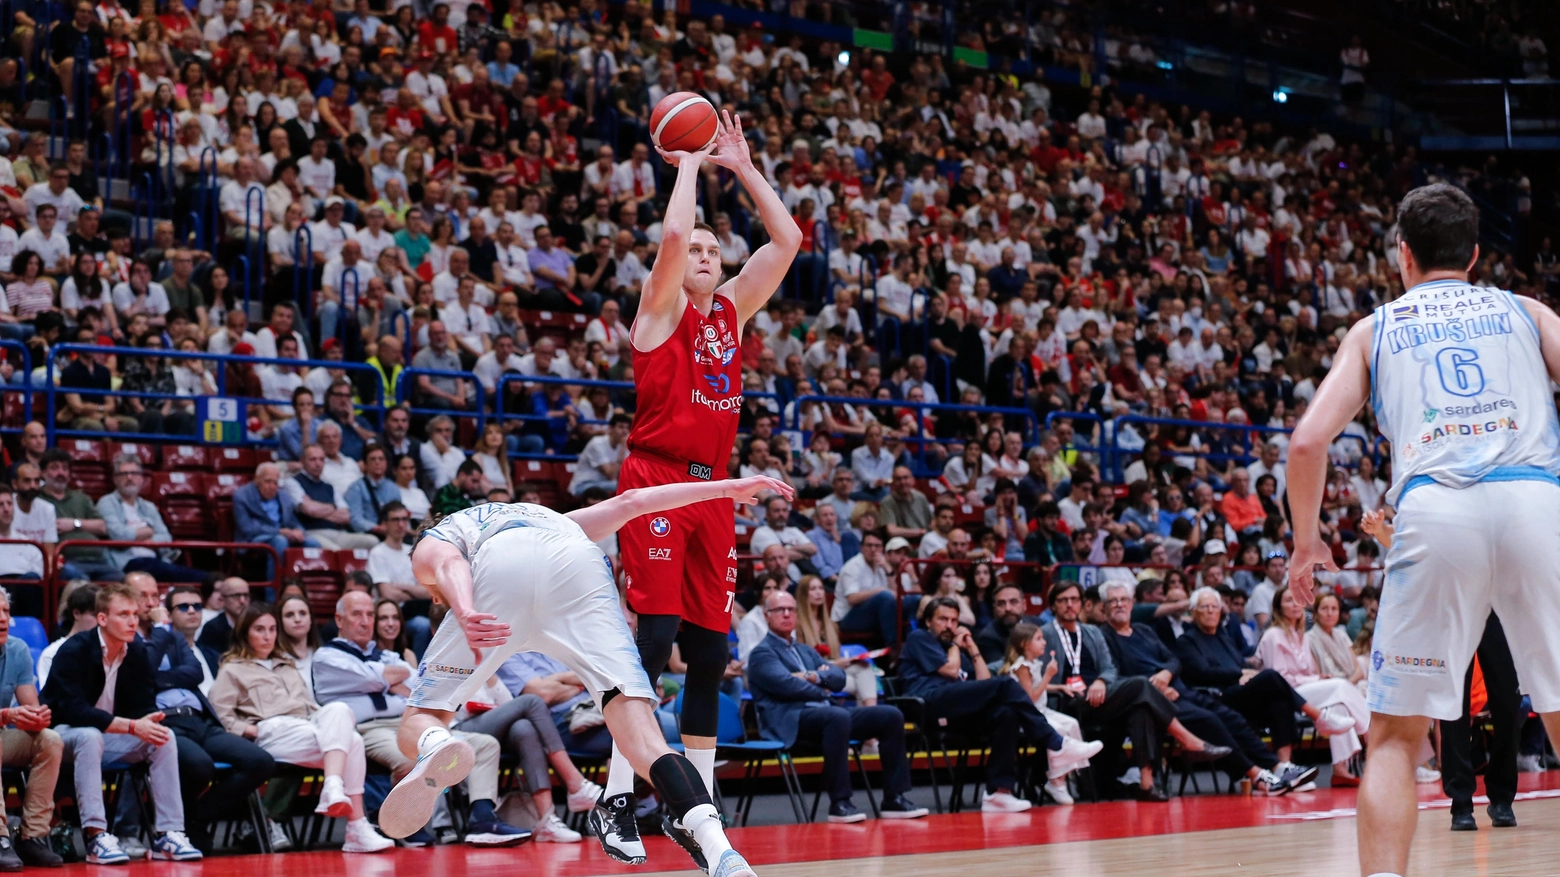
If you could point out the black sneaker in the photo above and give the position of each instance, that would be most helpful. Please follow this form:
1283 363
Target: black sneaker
845 812
1462 820
35 853
900 807
417 839
1501 816
612 821
684 838
9 860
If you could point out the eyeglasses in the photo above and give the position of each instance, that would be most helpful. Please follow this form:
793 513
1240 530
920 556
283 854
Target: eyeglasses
782 610
1114 601
186 607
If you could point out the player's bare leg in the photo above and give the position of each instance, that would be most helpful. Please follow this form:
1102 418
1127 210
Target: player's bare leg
1389 798
637 735
442 760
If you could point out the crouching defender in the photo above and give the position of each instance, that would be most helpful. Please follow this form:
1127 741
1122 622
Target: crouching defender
520 577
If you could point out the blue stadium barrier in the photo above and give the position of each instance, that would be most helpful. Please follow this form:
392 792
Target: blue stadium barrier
405 389
920 439
54 392
1245 435
1096 434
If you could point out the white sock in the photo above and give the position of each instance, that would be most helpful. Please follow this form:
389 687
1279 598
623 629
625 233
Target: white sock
704 762
620 775
430 739
1385 874
704 822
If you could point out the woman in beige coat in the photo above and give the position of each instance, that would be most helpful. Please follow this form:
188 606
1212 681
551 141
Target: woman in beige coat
260 695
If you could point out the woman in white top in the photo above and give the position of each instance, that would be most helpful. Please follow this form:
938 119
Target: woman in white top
404 471
1028 661
969 474
192 377
1368 489
493 454
1285 648
944 580
85 287
440 457
442 243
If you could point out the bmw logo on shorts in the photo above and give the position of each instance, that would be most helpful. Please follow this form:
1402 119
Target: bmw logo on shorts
660 526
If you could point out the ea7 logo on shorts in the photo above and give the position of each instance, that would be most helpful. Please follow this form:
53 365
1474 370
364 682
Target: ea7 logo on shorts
660 554
731 574
660 526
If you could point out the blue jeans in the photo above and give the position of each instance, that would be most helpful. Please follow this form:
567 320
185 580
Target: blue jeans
879 614
525 443
97 572
420 631
280 543
16 331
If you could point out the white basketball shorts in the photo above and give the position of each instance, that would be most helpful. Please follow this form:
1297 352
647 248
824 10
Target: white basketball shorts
556 593
1456 555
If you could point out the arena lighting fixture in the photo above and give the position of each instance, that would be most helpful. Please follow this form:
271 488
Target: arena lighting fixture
844 59
1164 65
1280 96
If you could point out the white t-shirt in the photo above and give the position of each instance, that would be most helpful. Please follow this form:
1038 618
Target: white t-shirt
597 451
156 298
393 565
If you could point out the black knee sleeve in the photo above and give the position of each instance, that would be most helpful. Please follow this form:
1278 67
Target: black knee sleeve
706 652
654 637
678 784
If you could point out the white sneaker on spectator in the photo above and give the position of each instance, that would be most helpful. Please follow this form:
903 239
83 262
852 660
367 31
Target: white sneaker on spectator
1003 802
585 799
1331 722
280 842
550 829
869 748
1530 764
1073 755
1057 789
1425 776
333 799
362 838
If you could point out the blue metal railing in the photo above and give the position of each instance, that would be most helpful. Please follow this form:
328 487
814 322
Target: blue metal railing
406 389
1244 434
920 439
25 389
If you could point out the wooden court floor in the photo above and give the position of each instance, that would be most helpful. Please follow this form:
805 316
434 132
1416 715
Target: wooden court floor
1304 834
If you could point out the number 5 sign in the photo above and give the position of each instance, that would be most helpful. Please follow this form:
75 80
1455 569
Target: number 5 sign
219 416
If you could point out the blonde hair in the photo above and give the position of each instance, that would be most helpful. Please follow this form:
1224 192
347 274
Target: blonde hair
815 628
1023 632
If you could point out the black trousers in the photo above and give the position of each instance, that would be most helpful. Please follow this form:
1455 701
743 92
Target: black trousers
202 742
1133 708
996 708
831 728
1505 704
1220 725
1267 700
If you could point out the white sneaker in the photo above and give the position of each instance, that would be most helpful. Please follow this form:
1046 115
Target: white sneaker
1530 764
585 799
869 748
1424 775
362 838
280 843
1332 722
410 804
333 799
550 829
1057 789
1073 755
1003 802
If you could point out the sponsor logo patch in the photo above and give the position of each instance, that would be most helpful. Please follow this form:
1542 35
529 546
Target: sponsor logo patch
660 526
1405 312
660 554
1412 665
448 670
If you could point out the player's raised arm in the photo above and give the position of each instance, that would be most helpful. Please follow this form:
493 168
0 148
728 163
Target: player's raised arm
761 276
661 304
443 569
1548 323
1338 399
605 518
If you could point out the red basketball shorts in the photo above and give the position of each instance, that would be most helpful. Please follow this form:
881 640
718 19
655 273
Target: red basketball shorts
681 561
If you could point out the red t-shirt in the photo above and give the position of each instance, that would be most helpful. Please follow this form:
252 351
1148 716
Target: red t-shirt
878 83
690 389
435 38
548 106
404 121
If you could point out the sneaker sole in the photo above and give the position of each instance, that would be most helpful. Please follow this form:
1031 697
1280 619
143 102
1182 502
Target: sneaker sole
93 860
616 854
171 857
684 839
903 814
410 804
848 820
338 810
496 840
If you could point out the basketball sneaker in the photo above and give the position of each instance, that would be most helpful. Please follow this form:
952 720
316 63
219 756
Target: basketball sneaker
612 821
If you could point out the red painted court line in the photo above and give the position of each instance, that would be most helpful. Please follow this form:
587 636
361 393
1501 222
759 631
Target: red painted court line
819 842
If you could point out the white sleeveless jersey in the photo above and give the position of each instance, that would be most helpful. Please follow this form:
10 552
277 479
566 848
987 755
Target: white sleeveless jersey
470 528
1459 387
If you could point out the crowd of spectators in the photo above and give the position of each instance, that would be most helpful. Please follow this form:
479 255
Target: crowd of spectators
1052 258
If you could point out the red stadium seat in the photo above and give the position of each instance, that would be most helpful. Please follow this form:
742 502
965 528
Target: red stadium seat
144 452
89 467
181 497
185 457
351 560
12 413
321 577
234 460
553 324
219 494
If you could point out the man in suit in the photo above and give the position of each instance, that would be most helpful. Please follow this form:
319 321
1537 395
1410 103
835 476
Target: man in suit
182 680
1505 704
264 513
1123 707
104 706
791 684
941 665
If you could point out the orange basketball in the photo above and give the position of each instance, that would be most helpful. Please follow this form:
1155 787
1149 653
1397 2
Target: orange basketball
683 122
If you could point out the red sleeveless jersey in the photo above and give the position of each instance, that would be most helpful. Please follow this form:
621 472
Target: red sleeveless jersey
690 390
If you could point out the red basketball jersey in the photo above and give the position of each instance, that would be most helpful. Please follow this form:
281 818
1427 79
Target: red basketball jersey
690 390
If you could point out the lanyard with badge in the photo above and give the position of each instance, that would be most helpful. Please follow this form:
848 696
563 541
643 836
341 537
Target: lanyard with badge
1073 652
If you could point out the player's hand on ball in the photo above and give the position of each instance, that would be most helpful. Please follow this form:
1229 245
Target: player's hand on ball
745 491
483 631
1302 568
676 158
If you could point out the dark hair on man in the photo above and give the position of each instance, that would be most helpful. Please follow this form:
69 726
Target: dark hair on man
390 508
182 589
469 467
1060 589
300 392
81 601
596 494
620 419
361 579
930 606
1440 224
52 455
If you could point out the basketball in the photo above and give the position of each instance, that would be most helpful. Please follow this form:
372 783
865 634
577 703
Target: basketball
683 122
